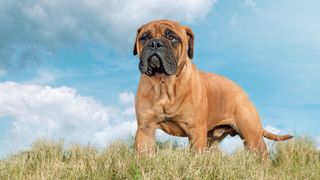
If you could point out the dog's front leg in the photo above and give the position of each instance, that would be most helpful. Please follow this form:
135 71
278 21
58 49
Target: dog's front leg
144 141
147 124
197 135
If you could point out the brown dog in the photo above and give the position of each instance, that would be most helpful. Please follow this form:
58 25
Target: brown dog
175 96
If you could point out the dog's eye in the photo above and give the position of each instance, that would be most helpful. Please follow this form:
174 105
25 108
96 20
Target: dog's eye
143 39
171 37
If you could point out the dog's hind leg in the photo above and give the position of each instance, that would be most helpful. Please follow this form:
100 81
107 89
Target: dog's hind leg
197 135
250 128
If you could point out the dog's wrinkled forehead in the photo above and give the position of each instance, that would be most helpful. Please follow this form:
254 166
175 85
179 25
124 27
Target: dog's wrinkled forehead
157 28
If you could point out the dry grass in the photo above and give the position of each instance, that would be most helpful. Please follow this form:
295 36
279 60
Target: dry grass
296 159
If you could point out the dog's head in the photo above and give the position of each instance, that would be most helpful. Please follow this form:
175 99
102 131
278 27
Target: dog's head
162 45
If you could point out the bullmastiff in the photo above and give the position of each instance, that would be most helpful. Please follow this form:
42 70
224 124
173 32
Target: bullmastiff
176 97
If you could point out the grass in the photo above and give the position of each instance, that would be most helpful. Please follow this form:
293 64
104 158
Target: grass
294 159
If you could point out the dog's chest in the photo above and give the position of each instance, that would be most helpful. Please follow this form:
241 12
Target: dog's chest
165 103
166 110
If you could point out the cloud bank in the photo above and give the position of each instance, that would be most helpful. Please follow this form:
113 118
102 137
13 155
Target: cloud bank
33 29
60 112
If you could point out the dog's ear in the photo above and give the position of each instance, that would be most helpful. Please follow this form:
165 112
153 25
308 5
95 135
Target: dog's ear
135 50
190 41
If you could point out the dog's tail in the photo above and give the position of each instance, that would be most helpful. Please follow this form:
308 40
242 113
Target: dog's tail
275 137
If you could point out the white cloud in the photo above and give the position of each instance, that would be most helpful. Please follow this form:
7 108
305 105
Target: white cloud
60 112
32 28
231 144
253 5
126 98
129 111
250 2
273 129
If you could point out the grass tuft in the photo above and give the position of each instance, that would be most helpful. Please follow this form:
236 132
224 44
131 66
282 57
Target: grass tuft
294 159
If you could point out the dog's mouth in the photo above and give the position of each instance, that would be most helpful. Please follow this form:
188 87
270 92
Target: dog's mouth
160 62
154 65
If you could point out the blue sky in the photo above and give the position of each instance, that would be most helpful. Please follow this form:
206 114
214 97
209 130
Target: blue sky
67 69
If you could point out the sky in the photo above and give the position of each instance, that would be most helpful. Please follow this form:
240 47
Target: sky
67 69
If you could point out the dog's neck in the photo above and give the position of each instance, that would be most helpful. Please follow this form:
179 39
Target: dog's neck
165 86
164 89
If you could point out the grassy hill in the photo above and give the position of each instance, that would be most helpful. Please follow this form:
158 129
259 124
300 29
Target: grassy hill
295 159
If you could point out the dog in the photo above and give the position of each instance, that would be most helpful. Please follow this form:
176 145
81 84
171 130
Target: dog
176 97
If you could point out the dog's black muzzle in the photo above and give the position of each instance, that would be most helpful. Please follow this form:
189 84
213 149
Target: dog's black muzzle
157 57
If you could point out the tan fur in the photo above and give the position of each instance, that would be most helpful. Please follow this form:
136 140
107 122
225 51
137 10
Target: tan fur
203 106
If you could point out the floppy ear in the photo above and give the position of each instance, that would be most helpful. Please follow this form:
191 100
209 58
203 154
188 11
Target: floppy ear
190 42
135 50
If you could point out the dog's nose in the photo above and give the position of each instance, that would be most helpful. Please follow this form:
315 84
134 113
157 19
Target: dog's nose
156 44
